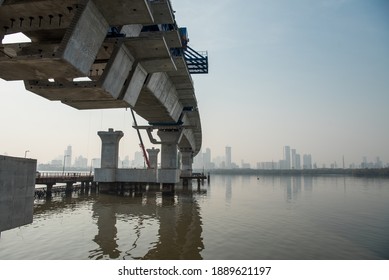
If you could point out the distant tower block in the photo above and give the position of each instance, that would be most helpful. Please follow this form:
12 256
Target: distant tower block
110 148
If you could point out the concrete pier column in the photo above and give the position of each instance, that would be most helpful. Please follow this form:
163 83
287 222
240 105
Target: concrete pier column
187 161
69 187
49 189
109 157
169 172
110 148
82 187
169 141
86 187
94 187
153 157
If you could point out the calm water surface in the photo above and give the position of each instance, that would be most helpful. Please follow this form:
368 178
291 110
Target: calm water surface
235 217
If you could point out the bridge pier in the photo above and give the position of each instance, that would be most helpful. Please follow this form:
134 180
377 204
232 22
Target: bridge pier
169 174
49 189
86 187
109 159
94 187
69 187
187 161
153 157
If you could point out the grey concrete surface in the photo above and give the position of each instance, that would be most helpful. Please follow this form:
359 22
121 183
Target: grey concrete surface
17 184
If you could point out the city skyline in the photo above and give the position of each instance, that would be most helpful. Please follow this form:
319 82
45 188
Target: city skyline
309 73
293 161
290 159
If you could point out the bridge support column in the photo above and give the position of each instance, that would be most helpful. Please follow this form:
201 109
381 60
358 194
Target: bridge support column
109 158
153 157
86 187
94 187
187 161
49 189
110 148
69 187
169 173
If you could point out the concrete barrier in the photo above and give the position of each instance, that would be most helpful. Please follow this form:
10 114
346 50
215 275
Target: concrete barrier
17 184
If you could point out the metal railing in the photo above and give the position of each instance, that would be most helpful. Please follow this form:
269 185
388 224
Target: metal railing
197 61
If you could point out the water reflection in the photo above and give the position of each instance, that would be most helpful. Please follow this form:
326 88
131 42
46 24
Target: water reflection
228 184
105 212
308 183
140 223
267 217
180 229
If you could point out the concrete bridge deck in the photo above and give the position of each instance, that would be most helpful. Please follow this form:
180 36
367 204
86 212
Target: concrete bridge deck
104 54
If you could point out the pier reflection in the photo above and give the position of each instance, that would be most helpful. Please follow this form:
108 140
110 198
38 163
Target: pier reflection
141 223
147 224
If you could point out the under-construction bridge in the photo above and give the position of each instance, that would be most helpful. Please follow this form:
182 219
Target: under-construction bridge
97 54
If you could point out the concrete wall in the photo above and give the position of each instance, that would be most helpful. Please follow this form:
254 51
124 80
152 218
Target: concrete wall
17 184
170 176
137 175
109 175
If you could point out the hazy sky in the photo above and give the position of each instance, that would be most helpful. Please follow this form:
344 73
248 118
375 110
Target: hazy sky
313 75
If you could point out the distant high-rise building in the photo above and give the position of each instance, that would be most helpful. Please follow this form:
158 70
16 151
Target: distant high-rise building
207 158
378 163
307 162
287 157
96 162
293 163
198 161
68 156
126 162
282 164
138 160
228 158
81 162
298 162
246 165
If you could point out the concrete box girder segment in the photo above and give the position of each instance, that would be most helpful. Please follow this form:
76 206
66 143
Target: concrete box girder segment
127 98
120 74
172 37
70 58
134 84
193 136
28 16
159 92
181 78
162 11
122 12
187 97
153 53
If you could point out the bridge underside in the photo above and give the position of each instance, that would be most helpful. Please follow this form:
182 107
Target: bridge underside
103 54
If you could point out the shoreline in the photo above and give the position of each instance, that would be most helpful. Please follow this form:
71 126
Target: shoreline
379 172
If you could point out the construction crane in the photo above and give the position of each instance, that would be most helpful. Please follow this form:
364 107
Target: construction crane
141 141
